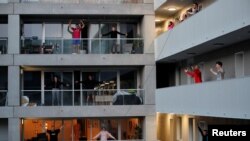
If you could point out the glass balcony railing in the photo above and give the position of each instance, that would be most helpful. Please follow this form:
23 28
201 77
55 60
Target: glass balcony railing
86 1
3 98
3 46
83 46
58 97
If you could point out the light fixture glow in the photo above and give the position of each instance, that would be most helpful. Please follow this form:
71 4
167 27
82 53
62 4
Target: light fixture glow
172 9
157 20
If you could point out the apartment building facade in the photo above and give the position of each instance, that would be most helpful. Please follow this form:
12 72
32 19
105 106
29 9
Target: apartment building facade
218 31
36 46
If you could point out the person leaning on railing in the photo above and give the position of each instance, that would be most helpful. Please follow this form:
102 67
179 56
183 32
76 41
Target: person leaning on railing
113 34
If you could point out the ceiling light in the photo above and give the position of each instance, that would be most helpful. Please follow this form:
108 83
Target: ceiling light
172 9
157 20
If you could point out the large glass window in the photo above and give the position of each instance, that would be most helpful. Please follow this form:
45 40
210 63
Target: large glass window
31 92
3 85
3 78
33 30
3 34
128 79
82 128
53 30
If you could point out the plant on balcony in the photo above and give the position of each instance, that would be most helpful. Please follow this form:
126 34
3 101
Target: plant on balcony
138 44
138 132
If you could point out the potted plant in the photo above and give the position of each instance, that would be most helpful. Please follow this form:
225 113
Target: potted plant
138 45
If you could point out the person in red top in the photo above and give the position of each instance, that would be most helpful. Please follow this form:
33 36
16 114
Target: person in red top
76 35
170 25
195 73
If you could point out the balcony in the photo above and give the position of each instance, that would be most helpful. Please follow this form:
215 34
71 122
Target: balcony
86 1
90 46
3 98
100 97
226 98
210 29
3 46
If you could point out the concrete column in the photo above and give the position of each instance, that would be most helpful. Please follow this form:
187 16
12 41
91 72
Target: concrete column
185 128
149 84
13 85
148 33
13 34
14 129
150 128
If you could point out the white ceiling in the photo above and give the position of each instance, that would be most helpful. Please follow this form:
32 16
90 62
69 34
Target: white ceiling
162 12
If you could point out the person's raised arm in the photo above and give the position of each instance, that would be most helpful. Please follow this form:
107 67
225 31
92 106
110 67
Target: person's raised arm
97 136
61 127
82 24
121 33
70 27
200 130
189 73
106 34
212 71
111 136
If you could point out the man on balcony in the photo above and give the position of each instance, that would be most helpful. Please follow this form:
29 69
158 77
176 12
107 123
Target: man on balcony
113 35
89 85
76 35
55 85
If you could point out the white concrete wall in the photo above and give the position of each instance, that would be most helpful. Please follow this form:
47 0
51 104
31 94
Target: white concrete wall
226 98
84 111
158 3
148 33
150 128
13 34
14 130
83 9
96 59
206 25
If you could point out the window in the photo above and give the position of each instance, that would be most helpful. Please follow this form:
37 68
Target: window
239 64
84 128
128 79
32 86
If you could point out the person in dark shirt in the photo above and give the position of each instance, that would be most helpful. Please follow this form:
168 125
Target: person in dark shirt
113 34
55 85
89 85
53 133
204 134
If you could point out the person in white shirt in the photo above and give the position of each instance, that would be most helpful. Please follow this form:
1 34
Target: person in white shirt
219 71
103 135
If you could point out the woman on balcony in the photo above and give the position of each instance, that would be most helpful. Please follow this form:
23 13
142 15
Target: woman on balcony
103 135
195 73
